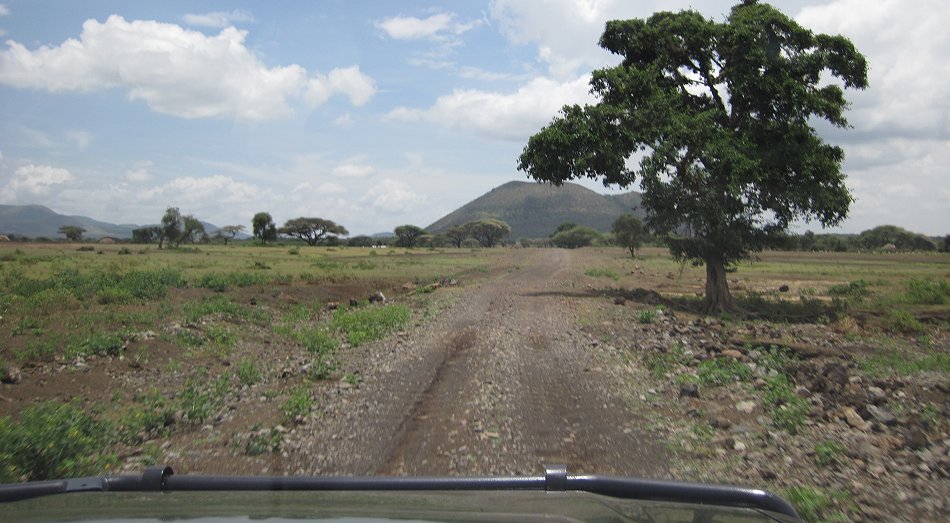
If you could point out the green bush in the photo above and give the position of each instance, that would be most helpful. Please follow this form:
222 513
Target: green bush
828 452
53 440
849 294
815 505
899 320
646 315
602 273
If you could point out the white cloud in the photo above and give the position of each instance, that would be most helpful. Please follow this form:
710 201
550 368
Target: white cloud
173 70
345 120
81 139
565 32
513 116
34 180
199 191
331 188
138 175
392 196
906 44
436 26
219 19
353 169
4 10
350 81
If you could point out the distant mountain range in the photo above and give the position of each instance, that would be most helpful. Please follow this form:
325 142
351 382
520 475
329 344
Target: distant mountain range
37 221
534 210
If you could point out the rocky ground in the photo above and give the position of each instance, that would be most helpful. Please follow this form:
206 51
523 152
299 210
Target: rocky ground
542 364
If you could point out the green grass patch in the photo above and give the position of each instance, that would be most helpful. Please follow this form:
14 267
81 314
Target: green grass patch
370 324
816 505
247 372
928 292
905 363
299 403
788 410
828 452
662 363
646 315
716 372
602 272
53 440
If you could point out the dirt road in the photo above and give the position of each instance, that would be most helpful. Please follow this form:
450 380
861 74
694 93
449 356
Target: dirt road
501 382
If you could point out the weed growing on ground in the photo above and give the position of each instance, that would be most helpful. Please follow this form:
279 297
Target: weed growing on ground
928 292
662 363
370 324
299 403
602 273
715 372
262 441
247 372
53 440
899 320
905 363
815 505
646 315
789 411
828 452
147 417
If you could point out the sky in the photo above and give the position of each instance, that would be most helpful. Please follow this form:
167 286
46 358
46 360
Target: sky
378 114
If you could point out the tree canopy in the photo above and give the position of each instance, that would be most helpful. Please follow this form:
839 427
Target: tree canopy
72 232
629 232
408 235
488 232
228 232
263 227
171 226
715 121
312 230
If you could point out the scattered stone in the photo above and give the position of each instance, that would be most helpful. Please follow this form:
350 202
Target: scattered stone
854 419
783 288
253 301
354 302
739 446
876 394
333 305
732 353
915 438
11 375
745 407
619 300
719 423
882 415
377 297
689 390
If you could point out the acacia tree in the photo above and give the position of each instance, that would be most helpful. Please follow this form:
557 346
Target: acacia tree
192 230
263 227
312 230
146 234
72 232
228 232
456 235
408 235
721 114
488 232
629 232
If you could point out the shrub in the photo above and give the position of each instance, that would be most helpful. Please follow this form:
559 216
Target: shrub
602 273
898 320
53 440
646 316
720 371
849 294
827 452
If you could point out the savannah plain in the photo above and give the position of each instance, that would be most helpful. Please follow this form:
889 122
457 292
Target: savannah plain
832 389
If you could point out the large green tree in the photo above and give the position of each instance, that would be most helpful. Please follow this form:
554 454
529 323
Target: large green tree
312 230
72 233
715 119
263 227
629 232
171 226
488 232
408 235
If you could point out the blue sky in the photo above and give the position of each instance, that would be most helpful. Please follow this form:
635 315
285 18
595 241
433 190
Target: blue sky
377 114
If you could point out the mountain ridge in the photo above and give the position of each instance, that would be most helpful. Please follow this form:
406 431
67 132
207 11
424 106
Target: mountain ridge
534 210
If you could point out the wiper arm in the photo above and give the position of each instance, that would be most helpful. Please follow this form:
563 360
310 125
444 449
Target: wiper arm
162 479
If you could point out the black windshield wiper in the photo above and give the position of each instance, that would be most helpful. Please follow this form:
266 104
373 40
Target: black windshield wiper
163 479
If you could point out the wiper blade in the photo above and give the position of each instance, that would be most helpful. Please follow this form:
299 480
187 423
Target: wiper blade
163 479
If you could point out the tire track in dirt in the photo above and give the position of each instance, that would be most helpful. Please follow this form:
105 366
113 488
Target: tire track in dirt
501 383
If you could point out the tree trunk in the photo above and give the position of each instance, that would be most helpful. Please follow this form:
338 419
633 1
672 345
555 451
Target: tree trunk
718 297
